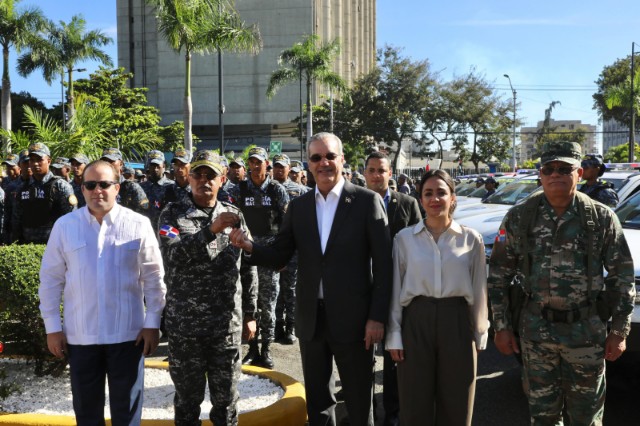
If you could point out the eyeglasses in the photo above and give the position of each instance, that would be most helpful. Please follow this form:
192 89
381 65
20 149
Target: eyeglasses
316 158
563 170
92 184
207 176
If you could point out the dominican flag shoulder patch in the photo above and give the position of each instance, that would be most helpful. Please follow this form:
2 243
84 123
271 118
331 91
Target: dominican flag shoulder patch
169 231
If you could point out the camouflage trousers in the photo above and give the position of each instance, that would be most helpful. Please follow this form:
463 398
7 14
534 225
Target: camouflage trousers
286 306
268 285
557 374
192 361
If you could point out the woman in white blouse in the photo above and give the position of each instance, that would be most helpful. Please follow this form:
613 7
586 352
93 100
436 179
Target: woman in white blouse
438 316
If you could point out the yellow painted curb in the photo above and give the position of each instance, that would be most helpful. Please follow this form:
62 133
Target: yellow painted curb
290 410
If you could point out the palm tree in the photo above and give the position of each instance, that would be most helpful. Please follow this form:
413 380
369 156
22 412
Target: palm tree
309 61
619 95
62 47
201 27
16 27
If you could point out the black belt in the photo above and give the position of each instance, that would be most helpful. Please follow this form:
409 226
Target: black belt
565 316
459 300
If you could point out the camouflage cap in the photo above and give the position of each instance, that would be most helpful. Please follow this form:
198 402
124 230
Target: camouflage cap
111 154
181 155
80 158
296 166
238 161
490 180
11 160
224 162
61 162
259 153
128 170
155 157
39 149
281 159
24 155
567 152
206 158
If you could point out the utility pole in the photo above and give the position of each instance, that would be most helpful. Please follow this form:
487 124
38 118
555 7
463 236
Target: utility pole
514 162
632 128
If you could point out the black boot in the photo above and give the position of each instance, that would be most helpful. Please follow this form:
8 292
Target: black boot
265 359
279 332
289 335
253 355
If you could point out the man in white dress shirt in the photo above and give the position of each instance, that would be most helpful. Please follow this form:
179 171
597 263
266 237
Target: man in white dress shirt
105 260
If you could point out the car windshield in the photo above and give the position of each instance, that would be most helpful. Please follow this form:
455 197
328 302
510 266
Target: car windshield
513 192
478 192
629 212
466 189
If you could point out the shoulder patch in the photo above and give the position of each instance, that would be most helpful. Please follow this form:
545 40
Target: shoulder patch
168 231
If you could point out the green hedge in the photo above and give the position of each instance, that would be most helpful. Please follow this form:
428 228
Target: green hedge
21 326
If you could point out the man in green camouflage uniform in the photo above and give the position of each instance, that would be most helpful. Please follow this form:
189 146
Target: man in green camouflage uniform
263 202
155 186
205 300
559 242
40 201
286 304
131 195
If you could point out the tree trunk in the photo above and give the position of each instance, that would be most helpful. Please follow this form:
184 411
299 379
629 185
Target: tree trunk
6 93
70 100
309 110
186 105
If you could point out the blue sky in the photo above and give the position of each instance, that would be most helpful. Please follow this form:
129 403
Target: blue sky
552 50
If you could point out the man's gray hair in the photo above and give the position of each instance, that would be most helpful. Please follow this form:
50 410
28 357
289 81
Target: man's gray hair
322 136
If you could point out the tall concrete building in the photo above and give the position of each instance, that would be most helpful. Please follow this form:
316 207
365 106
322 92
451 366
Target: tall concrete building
249 118
615 133
527 136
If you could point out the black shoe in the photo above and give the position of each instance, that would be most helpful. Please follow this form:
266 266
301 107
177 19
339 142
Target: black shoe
253 355
289 336
265 358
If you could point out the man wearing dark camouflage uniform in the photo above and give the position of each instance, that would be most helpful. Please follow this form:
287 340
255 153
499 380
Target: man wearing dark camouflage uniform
237 172
155 186
40 201
593 166
62 168
11 193
12 169
560 242
205 299
286 304
180 188
263 202
78 162
131 194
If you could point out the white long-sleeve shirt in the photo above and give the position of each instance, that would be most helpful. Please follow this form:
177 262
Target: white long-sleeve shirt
107 273
455 266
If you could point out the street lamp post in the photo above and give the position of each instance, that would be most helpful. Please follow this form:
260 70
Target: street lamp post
514 122
64 114
221 107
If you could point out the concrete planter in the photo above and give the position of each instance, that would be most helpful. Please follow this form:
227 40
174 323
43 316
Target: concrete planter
290 410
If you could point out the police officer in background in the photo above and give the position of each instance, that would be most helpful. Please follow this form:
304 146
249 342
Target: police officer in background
593 167
11 193
263 202
40 201
560 242
78 162
295 172
286 304
155 186
12 170
62 168
205 299
223 193
237 171
131 194
490 184
180 188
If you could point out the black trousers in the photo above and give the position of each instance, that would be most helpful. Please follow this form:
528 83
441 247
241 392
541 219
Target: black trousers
354 366
122 364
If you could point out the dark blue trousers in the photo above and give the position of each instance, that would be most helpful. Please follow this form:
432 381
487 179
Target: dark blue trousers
122 364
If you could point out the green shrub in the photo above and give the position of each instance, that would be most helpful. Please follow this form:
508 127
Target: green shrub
21 326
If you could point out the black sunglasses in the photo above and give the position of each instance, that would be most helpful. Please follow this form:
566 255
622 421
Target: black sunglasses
92 184
316 158
208 176
563 170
